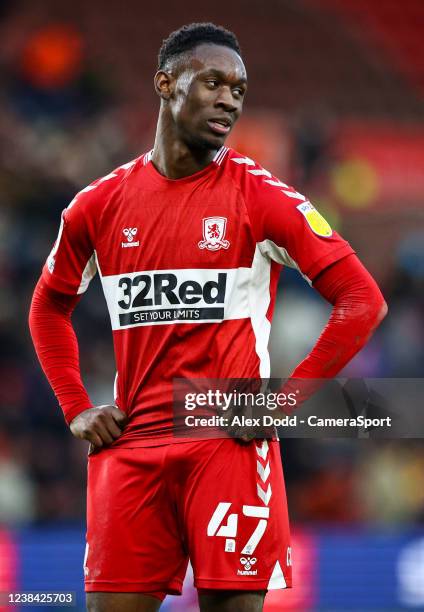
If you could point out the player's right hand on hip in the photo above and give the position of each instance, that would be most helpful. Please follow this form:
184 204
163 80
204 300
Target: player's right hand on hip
100 425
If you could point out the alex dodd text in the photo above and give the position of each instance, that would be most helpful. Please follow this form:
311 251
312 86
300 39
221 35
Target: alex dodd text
293 421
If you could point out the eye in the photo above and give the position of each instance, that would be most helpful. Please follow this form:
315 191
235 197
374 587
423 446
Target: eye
239 91
212 83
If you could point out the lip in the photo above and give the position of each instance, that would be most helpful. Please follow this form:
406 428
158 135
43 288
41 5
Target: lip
219 126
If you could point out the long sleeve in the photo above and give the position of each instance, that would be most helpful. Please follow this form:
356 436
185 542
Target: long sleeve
358 308
57 348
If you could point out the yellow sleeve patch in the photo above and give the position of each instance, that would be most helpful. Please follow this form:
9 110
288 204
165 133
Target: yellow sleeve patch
315 220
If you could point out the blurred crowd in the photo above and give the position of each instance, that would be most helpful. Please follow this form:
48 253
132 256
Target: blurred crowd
63 124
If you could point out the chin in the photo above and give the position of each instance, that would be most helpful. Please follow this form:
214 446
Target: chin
206 142
215 144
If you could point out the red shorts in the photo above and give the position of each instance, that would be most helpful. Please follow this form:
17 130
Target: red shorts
220 503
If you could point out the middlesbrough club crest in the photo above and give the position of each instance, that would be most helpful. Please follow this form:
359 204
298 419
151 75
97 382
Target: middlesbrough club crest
214 234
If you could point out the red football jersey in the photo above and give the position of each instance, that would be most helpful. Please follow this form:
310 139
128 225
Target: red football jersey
189 269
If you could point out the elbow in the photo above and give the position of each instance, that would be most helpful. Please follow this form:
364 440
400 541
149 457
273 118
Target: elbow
371 319
377 311
382 313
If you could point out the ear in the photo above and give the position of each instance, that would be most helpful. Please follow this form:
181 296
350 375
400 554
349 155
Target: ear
164 84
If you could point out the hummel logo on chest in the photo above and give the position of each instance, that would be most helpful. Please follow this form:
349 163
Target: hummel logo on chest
129 233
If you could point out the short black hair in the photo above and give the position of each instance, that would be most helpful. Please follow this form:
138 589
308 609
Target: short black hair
193 34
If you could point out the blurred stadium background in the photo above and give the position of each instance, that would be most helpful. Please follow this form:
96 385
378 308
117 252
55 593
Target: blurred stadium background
335 107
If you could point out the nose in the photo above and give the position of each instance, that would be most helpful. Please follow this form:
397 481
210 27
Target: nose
226 100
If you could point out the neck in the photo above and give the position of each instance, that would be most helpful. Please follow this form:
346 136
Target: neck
172 157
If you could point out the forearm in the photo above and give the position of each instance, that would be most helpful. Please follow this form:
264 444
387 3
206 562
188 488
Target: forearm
358 308
57 348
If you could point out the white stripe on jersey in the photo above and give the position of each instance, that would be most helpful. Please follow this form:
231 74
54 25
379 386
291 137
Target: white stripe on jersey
107 177
218 153
115 387
260 172
243 160
128 165
88 274
277 184
277 580
259 299
221 156
147 157
294 194
51 261
281 256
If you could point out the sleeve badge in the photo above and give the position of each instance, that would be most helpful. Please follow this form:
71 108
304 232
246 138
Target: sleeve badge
315 220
